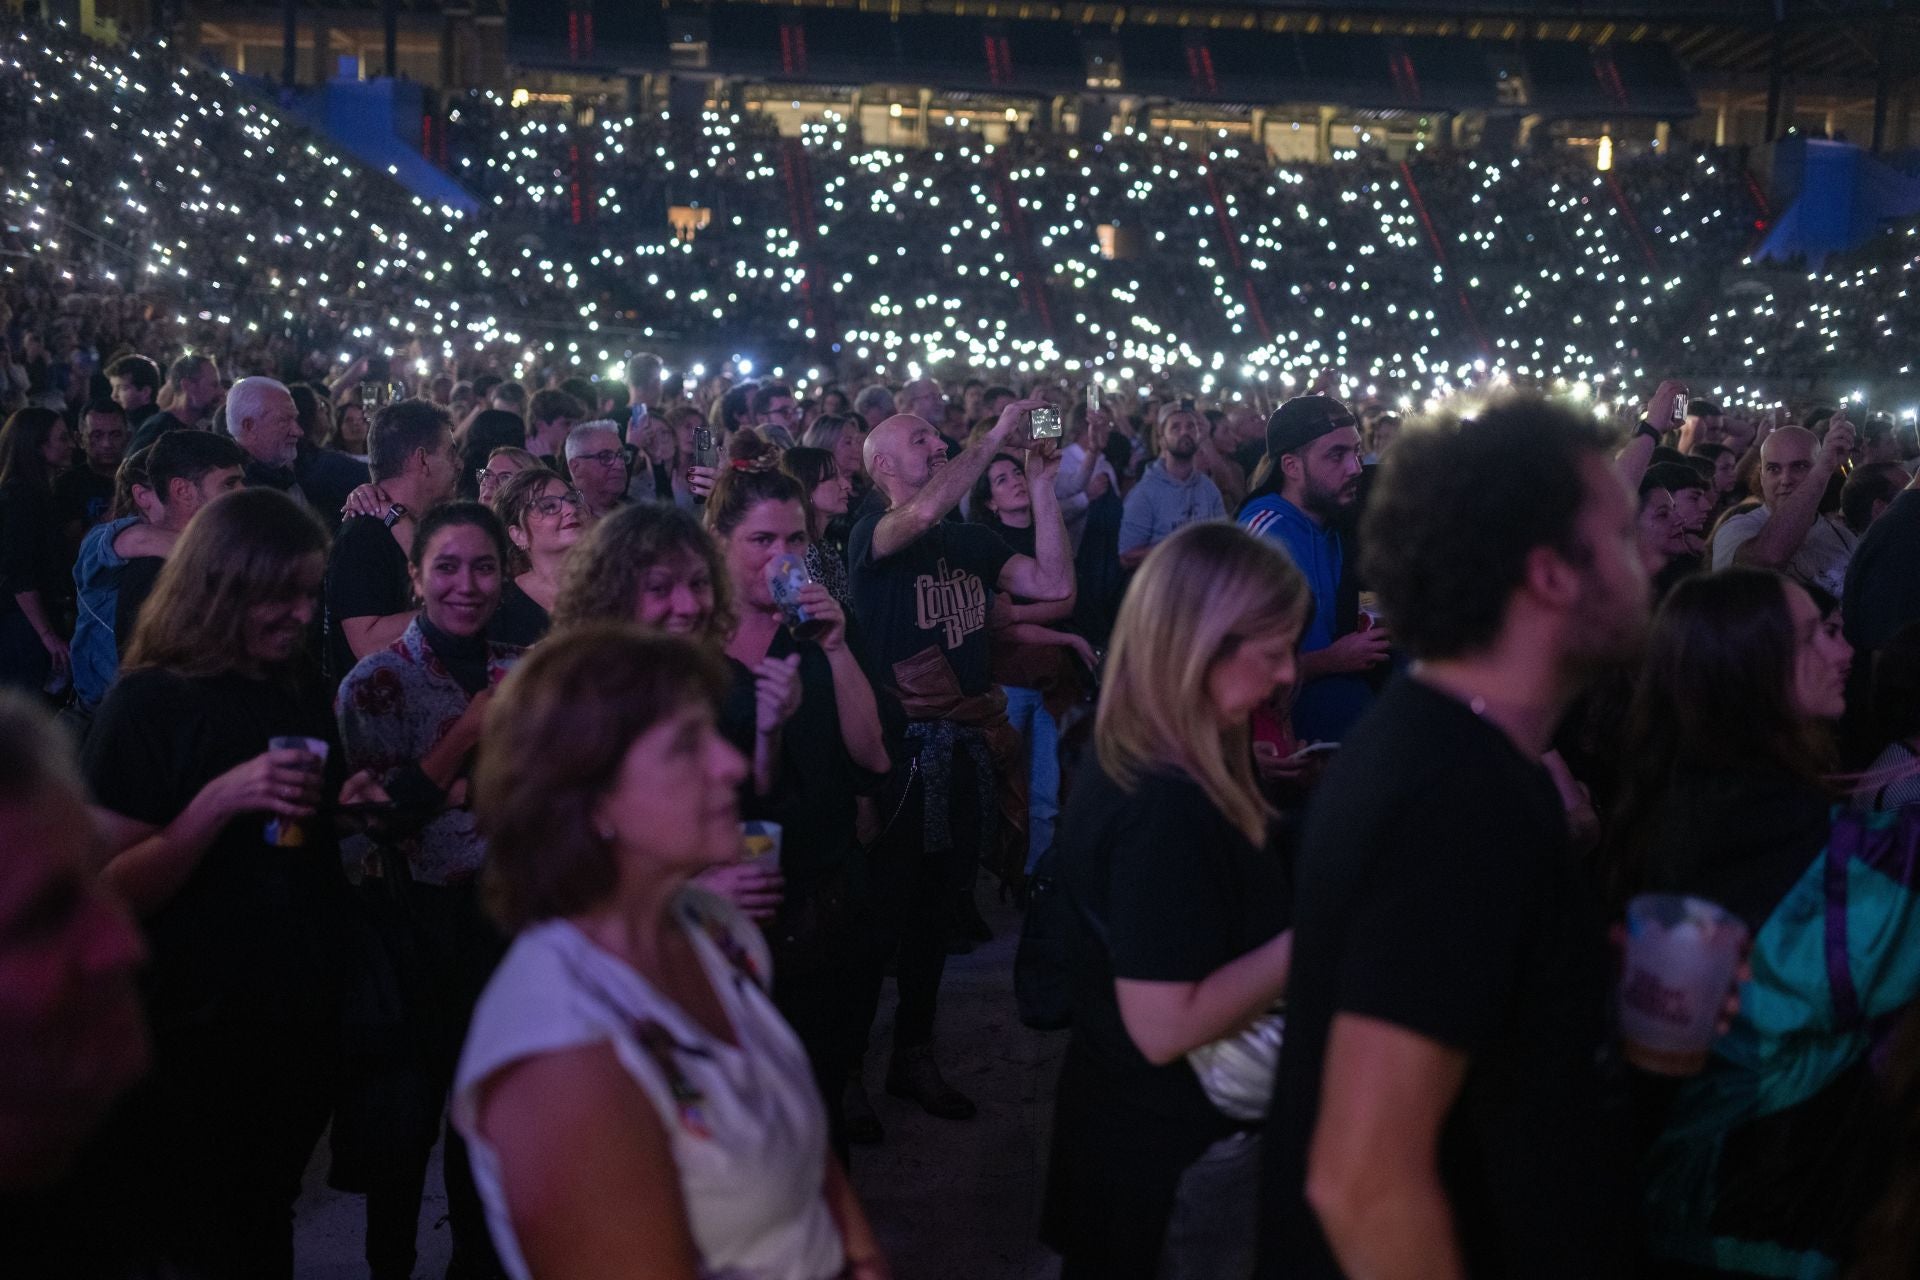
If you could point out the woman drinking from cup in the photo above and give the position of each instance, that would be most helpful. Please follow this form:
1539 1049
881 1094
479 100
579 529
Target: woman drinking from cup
411 714
1762 1157
832 751
208 762
634 1103
544 518
1166 845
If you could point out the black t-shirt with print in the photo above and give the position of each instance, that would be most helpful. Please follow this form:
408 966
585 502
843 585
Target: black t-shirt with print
1435 890
366 578
930 595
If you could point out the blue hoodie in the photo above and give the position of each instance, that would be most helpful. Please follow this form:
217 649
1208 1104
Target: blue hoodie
96 579
1325 708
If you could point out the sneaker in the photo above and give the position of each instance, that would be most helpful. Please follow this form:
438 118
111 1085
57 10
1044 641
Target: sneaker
914 1075
857 1116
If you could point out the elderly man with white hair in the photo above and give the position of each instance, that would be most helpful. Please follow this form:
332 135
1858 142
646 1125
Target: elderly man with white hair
263 421
598 466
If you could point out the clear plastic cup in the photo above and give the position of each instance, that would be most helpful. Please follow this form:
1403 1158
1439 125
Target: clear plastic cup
760 840
291 833
1682 954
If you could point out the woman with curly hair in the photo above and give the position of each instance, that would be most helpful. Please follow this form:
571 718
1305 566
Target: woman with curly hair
651 564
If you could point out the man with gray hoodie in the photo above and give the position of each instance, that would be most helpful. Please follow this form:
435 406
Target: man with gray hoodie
1173 492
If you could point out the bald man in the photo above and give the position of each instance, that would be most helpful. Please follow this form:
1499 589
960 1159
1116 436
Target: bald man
1787 531
923 587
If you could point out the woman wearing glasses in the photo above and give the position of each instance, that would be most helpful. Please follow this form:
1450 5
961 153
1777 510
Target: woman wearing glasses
598 464
544 517
501 464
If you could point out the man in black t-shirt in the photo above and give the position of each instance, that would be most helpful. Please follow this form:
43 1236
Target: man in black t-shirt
1439 1107
922 587
194 382
369 595
83 495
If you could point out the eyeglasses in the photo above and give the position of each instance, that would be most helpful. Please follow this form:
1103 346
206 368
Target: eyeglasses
550 506
483 475
605 458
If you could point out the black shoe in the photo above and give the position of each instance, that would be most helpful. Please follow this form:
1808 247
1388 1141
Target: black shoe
914 1075
857 1117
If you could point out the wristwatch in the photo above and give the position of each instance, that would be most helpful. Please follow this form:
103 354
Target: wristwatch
395 514
1648 430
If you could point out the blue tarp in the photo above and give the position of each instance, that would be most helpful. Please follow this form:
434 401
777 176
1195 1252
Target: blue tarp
377 122
1833 196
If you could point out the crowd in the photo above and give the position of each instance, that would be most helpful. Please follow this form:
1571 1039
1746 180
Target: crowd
162 207
555 761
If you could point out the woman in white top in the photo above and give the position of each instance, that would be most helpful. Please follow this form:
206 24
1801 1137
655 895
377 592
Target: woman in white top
634 1104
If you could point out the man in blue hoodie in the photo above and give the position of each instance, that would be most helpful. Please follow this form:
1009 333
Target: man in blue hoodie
1311 481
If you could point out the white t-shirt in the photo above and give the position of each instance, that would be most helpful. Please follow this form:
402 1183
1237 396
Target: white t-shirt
748 1132
1821 560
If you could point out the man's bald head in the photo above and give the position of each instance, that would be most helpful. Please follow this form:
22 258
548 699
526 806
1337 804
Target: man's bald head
1789 442
885 440
1786 461
900 455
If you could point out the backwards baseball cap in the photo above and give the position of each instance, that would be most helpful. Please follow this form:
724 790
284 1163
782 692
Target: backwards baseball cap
1304 419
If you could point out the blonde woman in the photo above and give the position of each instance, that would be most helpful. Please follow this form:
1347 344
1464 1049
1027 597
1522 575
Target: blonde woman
1164 852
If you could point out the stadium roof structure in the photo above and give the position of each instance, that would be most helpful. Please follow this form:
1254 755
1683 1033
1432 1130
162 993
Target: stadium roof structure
1577 56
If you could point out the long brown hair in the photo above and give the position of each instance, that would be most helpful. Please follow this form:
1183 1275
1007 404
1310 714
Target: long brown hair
1715 692
1201 594
244 548
812 468
21 441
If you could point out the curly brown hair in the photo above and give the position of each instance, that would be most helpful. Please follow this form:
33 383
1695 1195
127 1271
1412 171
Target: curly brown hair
555 737
605 569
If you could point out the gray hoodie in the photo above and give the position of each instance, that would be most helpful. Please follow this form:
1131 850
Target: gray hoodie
1159 504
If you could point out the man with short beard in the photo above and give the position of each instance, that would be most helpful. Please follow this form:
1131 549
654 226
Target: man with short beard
1173 493
1312 480
195 383
1441 1104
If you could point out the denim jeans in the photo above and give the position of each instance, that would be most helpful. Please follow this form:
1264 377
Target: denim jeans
1029 714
